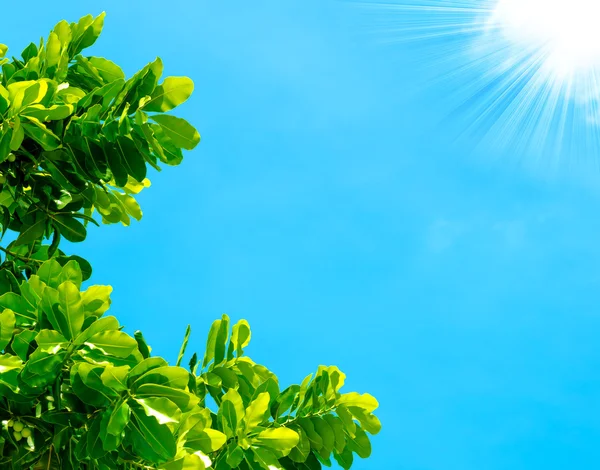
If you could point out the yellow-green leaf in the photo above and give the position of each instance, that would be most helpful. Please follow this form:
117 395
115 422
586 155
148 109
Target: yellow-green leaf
281 439
114 343
170 94
207 440
7 325
366 402
70 310
256 411
181 132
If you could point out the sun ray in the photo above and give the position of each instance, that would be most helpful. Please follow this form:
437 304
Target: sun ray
526 71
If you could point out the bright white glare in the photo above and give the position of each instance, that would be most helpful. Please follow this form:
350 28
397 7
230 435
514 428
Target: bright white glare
522 77
568 30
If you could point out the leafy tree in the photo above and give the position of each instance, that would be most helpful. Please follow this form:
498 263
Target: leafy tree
76 391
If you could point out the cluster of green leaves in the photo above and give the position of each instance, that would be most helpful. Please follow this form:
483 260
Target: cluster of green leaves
76 137
76 391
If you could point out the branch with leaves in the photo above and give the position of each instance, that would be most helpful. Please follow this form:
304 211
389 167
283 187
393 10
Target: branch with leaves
76 391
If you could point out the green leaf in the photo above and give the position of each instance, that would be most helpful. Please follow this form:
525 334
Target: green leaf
344 459
142 344
7 325
338 430
240 338
189 462
17 136
359 443
231 412
71 272
42 368
347 419
131 159
110 442
70 308
102 96
368 421
186 338
115 377
281 439
130 205
178 130
70 228
100 325
84 265
269 385
163 409
64 418
119 418
193 364
85 33
15 302
365 401
143 367
158 436
194 421
50 272
40 133
6 136
114 160
114 343
170 94
174 377
94 446
91 376
327 435
235 455
31 293
207 440
217 340
183 399
302 450
285 400
316 442
162 145
53 50
55 112
9 362
257 412
50 340
109 71
209 354
32 233
16 93
96 300
29 52
86 383
311 463
266 459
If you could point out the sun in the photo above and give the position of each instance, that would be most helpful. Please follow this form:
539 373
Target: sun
516 78
568 31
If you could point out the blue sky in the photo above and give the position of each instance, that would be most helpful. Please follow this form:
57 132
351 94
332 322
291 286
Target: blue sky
328 206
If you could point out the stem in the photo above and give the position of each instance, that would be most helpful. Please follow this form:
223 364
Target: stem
22 258
49 458
57 397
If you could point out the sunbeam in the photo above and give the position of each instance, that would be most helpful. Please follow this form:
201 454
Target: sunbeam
526 70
